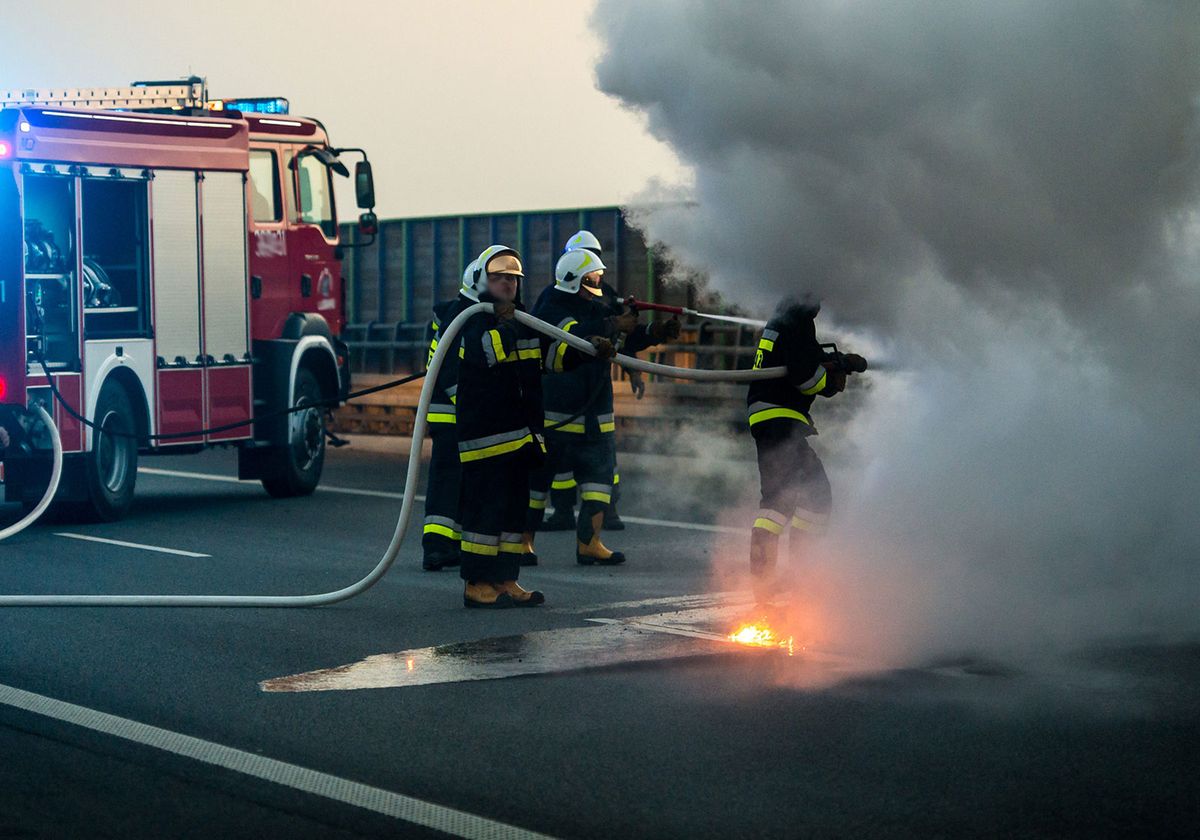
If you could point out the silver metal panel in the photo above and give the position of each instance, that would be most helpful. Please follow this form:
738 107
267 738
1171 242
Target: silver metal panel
176 266
181 95
223 199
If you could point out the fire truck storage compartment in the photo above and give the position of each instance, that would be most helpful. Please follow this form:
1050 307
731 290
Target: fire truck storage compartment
226 313
115 256
50 309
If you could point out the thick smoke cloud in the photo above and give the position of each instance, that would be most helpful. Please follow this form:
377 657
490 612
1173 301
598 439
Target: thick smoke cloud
1005 197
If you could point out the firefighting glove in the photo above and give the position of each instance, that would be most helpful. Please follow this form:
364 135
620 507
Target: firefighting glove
604 347
662 331
637 383
854 363
626 322
504 311
835 383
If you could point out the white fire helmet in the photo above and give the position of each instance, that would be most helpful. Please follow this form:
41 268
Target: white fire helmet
583 240
571 267
476 283
468 278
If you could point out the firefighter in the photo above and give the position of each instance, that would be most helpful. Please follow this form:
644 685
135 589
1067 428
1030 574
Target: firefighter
442 530
579 405
499 419
4 442
563 484
795 488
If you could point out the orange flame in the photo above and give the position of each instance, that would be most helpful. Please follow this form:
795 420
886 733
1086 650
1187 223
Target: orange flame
759 634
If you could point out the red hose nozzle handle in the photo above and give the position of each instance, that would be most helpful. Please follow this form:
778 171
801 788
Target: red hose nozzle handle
636 305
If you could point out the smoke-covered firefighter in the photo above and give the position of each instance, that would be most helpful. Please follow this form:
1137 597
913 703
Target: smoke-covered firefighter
499 420
579 420
442 531
795 488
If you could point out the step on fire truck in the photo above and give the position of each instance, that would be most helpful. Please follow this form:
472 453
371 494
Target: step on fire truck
173 265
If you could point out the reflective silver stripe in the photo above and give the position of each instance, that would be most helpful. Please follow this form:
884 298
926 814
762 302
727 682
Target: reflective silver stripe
564 476
763 406
528 343
592 487
481 539
442 520
492 440
814 379
774 515
770 335
605 418
811 516
557 417
489 352
441 408
452 390
537 495
508 536
562 325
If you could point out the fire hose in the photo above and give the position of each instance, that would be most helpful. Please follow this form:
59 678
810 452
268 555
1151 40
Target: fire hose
636 305
55 474
410 483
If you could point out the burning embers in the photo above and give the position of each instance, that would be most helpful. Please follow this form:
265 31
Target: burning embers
759 634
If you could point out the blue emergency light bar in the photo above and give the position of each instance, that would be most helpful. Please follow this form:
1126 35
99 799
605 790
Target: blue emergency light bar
258 105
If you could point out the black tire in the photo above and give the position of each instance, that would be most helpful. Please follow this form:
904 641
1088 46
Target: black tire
110 468
295 469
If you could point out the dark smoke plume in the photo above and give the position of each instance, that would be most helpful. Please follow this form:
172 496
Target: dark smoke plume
1005 197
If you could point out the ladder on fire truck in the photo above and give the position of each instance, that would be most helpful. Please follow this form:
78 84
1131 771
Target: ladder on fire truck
178 94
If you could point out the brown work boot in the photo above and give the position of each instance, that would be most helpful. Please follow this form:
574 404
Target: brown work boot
485 596
595 551
528 553
520 597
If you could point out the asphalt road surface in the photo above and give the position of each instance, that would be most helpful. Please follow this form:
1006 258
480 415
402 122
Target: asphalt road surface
618 710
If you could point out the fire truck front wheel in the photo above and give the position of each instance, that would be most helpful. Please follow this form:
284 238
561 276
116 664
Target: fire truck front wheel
110 468
295 469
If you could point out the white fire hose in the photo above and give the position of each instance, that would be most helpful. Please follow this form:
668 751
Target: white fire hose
55 474
410 483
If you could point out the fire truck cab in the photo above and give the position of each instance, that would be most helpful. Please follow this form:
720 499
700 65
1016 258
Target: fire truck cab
170 270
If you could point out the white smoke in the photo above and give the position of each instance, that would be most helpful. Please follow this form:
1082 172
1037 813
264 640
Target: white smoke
1005 195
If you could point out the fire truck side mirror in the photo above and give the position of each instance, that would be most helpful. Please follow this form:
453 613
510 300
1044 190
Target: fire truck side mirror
364 185
368 224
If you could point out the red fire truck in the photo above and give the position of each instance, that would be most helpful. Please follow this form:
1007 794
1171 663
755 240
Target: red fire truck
173 263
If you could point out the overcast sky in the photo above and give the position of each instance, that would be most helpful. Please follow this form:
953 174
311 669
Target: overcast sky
464 105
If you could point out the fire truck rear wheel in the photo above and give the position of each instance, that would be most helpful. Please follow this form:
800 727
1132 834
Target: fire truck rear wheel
295 469
110 468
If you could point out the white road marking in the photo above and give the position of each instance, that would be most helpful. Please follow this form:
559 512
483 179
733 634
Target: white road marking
229 479
696 600
409 809
381 494
123 544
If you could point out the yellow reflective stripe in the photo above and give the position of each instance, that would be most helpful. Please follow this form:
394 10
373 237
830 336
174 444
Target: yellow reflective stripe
480 548
563 485
608 427
535 353
454 399
763 523
462 353
766 344
616 478
816 389
440 418
595 496
433 528
776 413
537 504
512 547
497 345
497 449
